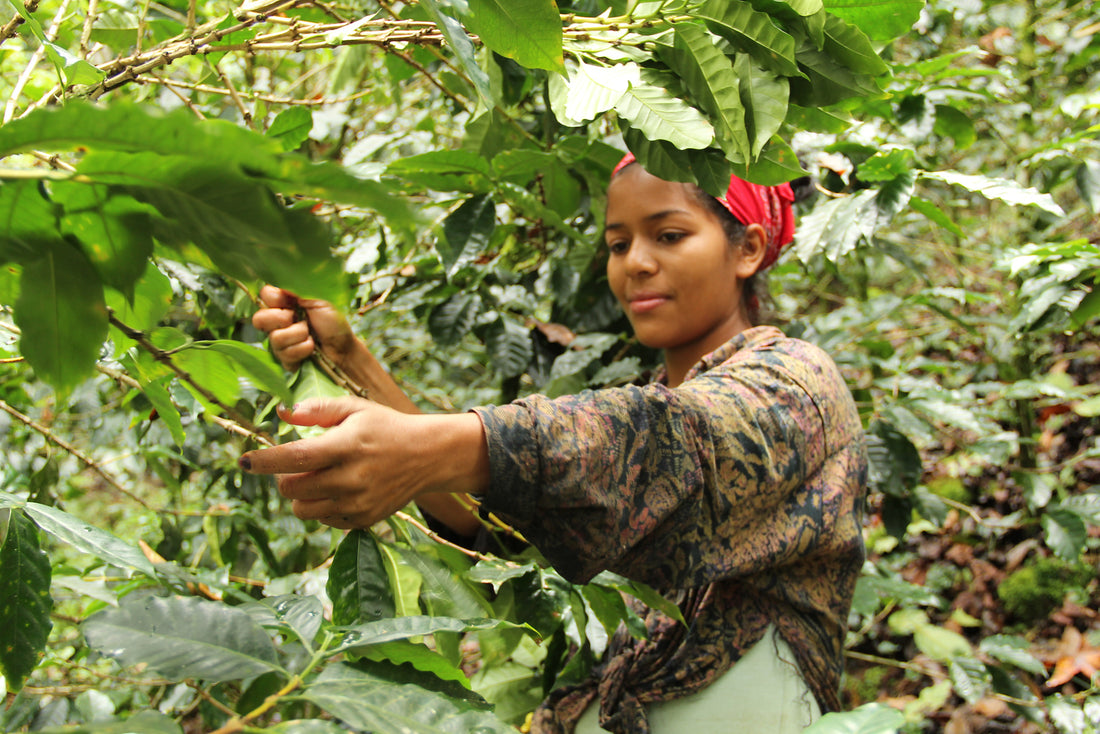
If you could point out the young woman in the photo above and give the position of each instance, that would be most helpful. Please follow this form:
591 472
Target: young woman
734 482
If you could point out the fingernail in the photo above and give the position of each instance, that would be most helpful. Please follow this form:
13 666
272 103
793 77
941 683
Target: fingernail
245 463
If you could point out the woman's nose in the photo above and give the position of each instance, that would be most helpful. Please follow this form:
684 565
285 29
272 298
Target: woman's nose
639 258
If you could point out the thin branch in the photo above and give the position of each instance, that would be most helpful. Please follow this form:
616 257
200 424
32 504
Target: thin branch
253 96
89 22
161 356
25 76
246 114
80 455
8 30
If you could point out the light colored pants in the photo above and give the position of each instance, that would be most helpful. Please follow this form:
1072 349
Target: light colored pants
762 694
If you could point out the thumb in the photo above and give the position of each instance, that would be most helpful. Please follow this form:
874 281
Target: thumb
323 412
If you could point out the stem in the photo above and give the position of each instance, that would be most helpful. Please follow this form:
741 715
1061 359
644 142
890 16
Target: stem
25 76
9 28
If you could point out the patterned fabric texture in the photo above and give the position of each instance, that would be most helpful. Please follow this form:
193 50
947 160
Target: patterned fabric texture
738 493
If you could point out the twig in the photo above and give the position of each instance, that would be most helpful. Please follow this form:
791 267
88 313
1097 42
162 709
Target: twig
271 99
25 76
89 21
161 356
246 115
80 455
238 723
9 28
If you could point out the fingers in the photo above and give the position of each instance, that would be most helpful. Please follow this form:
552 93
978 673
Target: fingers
273 297
324 412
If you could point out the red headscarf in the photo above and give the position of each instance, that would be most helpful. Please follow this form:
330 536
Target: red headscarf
749 203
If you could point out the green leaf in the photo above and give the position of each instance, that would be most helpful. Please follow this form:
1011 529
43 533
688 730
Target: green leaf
827 81
402 628
660 115
88 538
643 593
935 214
1065 533
254 362
969 678
463 49
509 345
62 314
513 689
149 300
882 21
307 726
302 615
753 32
402 652
1014 651
528 31
871 718
25 601
713 85
764 97
235 220
183 638
467 232
445 170
444 592
404 583
357 581
74 69
291 127
369 703
453 319
849 45
145 722
1088 184
587 91
28 221
834 227
955 124
939 643
708 168
999 189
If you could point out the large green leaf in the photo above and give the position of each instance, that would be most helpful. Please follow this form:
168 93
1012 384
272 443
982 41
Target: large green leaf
114 230
659 115
402 628
708 168
257 364
452 319
183 638
1000 189
445 170
849 45
881 21
25 601
712 82
463 49
588 91
828 80
509 345
528 31
62 314
753 32
764 97
357 581
466 232
302 615
444 592
88 538
369 703
27 220
236 221
834 227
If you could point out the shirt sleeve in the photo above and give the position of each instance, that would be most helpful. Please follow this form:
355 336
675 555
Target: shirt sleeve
672 487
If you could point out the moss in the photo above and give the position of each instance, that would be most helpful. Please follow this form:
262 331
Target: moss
951 488
1034 591
866 686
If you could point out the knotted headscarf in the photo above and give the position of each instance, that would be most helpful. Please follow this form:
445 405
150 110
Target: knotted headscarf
749 203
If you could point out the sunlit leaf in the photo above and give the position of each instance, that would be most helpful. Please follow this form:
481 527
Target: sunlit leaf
1000 189
528 31
145 722
88 538
882 21
291 126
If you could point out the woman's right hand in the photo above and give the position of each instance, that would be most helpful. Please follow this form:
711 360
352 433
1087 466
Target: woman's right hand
292 336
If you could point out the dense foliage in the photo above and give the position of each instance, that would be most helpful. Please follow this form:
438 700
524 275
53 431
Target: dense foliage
438 168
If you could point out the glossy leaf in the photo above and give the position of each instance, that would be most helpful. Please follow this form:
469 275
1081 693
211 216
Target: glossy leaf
357 581
88 538
466 233
405 652
303 615
1064 532
590 90
712 82
754 33
145 722
366 702
834 228
25 602
463 49
871 718
657 114
62 314
1014 651
764 97
183 638
528 31
291 127
402 628
999 189
827 80
255 363
509 346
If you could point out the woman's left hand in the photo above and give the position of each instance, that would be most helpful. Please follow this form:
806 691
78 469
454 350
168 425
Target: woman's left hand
372 461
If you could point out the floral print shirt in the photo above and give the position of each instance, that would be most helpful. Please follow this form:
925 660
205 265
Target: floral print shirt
738 493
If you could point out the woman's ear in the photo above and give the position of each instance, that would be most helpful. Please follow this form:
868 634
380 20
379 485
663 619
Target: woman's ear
751 250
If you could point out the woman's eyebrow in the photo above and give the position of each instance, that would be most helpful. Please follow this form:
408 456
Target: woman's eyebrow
649 218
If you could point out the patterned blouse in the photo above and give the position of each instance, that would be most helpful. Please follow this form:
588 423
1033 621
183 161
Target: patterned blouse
738 493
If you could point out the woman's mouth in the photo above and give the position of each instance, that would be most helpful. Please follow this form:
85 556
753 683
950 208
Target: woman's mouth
645 302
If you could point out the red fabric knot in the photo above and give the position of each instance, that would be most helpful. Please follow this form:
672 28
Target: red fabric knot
749 203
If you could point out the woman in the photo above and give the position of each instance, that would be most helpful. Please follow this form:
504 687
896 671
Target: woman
734 482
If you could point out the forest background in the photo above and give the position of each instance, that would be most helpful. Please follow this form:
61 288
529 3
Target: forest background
438 168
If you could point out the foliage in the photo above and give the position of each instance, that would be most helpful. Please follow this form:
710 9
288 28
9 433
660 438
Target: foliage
439 168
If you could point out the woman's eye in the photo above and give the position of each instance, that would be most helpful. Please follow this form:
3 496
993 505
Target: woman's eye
671 238
617 247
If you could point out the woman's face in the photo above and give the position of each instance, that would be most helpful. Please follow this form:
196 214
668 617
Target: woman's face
671 267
